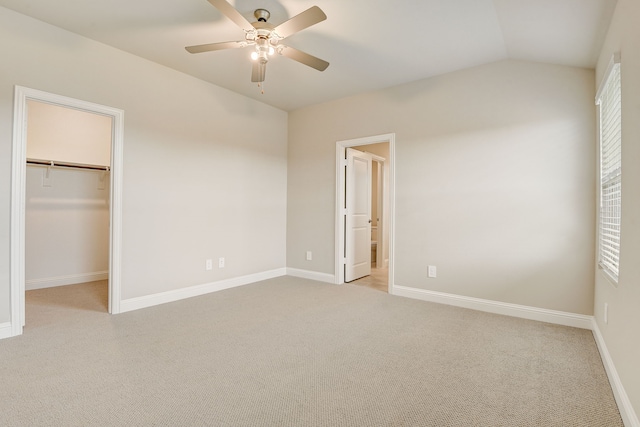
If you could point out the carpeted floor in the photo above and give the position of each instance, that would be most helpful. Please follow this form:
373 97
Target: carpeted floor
293 352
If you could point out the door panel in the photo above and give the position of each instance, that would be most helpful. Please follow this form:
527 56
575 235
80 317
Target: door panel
358 222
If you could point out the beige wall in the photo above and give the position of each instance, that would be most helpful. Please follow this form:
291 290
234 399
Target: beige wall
623 328
67 134
193 186
495 181
66 226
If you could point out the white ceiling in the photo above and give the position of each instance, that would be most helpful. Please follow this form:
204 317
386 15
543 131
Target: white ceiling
371 44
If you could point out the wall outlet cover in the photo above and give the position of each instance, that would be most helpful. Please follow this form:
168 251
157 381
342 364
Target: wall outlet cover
432 272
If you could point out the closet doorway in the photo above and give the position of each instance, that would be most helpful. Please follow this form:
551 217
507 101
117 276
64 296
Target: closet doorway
66 197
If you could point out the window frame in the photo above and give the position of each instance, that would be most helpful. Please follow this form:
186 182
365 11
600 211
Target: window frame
610 169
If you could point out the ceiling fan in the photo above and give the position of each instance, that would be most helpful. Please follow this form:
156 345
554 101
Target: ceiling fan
266 37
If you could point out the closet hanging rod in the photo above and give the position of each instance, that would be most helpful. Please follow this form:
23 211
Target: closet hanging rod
56 163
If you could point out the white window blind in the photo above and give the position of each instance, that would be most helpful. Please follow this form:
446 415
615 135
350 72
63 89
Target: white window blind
609 100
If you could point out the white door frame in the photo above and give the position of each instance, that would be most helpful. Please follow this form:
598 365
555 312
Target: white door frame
341 147
18 180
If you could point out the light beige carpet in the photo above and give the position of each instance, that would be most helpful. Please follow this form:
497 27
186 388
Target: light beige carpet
293 352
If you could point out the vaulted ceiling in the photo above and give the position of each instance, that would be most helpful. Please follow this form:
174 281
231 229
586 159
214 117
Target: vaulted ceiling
370 44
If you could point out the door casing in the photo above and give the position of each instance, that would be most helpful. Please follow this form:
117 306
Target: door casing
18 180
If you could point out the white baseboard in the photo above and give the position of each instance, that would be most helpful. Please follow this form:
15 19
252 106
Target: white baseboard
72 279
5 330
627 413
496 307
193 291
312 275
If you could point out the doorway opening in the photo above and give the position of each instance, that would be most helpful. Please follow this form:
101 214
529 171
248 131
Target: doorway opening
111 183
364 237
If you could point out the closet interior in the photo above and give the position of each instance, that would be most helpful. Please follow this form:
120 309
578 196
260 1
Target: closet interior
67 196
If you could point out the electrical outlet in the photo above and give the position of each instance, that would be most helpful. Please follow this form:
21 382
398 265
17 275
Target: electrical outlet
209 264
309 256
432 272
220 262
606 312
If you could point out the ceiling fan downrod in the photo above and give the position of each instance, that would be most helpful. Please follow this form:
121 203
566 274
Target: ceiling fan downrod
262 15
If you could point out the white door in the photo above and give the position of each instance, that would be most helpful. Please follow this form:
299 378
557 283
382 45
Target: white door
358 218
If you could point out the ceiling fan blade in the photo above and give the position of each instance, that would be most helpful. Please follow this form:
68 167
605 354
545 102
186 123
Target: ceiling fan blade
258 71
309 17
209 47
304 58
231 13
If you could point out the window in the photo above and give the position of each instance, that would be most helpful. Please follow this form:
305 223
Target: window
609 100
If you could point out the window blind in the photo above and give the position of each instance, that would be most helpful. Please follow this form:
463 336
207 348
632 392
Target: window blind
609 100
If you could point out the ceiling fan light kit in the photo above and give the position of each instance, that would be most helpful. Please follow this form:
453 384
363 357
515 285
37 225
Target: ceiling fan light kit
266 38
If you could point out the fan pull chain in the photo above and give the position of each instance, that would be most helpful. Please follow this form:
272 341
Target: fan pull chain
261 86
